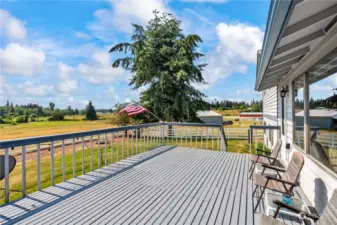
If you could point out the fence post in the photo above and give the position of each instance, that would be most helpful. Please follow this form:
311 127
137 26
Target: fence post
331 140
229 133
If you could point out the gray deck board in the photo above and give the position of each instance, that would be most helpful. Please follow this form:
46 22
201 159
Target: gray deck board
161 186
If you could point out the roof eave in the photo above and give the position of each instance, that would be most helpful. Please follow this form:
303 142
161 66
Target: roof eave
279 13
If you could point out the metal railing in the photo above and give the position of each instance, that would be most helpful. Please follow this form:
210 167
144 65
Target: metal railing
253 134
52 159
241 133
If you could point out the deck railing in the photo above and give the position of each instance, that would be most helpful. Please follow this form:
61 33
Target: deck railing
48 160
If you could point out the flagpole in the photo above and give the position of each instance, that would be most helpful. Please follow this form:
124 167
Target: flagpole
153 114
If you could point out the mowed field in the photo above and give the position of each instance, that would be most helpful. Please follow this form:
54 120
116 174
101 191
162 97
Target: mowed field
45 127
77 124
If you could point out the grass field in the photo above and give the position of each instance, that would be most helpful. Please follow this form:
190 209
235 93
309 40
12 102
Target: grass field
44 127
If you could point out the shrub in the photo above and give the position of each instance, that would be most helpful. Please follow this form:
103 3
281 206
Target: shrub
1 120
13 123
21 119
57 116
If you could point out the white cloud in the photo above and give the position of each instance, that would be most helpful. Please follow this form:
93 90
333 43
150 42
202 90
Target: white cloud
200 17
66 84
70 99
236 49
32 88
110 90
82 35
84 102
212 1
240 40
21 60
122 14
11 28
2 84
99 71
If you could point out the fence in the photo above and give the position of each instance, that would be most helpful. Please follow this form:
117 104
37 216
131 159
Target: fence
49 160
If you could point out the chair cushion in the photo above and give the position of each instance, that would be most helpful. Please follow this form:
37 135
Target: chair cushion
262 160
261 181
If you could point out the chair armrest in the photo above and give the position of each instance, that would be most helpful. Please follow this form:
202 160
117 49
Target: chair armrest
266 156
312 216
273 167
282 181
284 205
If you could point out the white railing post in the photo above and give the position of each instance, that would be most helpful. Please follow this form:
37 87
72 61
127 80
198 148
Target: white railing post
6 175
52 162
250 140
63 162
83 170
105 149
91 153
23 171
74 158
98 151
38 168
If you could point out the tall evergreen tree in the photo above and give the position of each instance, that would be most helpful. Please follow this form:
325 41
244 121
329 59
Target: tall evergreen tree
52 106
90 112
162 58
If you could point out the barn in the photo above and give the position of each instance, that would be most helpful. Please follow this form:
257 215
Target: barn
251 115
210 117
322 118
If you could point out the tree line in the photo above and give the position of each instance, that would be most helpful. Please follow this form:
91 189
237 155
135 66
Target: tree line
329 103
253 106
13 113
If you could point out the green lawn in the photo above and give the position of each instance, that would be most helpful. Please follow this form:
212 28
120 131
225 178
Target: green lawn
240 146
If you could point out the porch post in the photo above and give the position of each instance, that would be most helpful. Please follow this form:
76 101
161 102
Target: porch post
306 114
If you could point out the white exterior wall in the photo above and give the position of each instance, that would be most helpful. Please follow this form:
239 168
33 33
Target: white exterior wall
269 98
316 181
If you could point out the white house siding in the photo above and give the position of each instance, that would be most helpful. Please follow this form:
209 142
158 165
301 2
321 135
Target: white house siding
269 97
317 183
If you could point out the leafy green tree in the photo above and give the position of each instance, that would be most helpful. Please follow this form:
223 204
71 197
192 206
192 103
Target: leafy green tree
52 106
90 113
162 58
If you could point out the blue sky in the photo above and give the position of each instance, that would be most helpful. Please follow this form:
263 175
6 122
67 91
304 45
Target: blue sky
58 50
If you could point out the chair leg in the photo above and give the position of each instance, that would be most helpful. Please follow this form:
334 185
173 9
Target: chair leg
251 173
258 201
251 166
255 190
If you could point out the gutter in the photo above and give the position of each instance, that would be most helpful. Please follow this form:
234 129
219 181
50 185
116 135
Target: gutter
279 14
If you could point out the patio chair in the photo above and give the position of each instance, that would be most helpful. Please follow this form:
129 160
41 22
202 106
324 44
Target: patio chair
12 163
265 159
285 183
328 217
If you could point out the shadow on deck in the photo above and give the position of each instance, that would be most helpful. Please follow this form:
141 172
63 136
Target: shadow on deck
162 186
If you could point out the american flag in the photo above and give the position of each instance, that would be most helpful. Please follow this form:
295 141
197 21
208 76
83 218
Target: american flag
133 110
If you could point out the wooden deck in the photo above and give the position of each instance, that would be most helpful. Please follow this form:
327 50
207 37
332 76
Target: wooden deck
161 186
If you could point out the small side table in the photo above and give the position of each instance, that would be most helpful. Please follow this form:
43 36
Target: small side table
296 202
